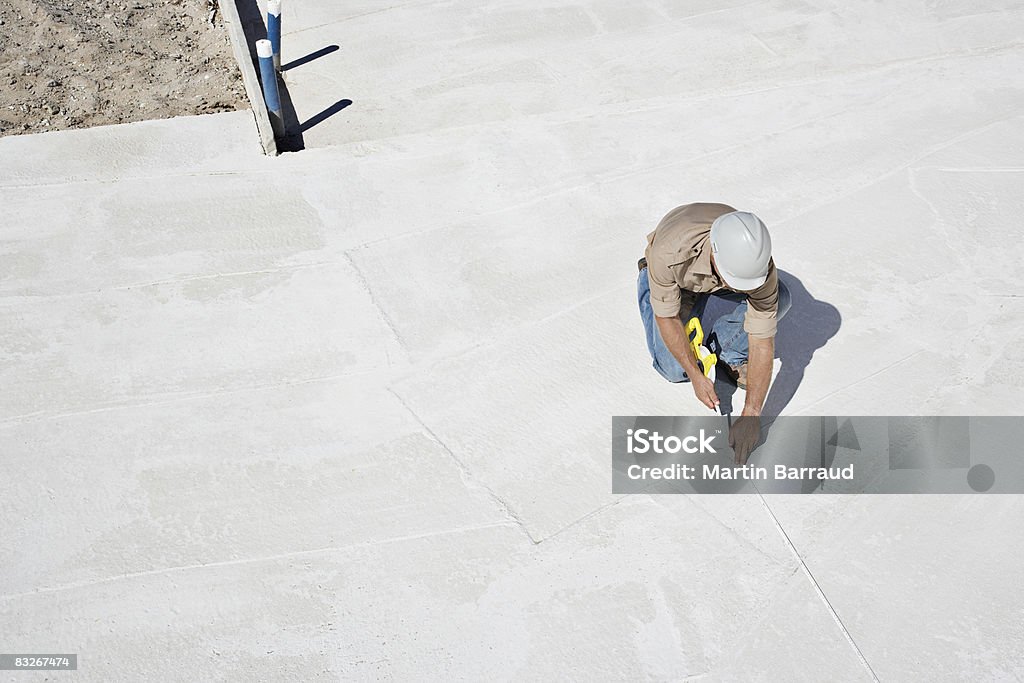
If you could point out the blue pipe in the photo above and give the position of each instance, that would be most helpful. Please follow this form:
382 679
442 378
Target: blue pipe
274 30
271 94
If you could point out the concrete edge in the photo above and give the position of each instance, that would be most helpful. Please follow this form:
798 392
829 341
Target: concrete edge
229 11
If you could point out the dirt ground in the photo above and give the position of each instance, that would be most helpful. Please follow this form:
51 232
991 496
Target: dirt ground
81 63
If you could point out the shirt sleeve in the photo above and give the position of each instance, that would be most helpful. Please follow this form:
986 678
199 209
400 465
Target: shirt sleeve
763 307
665 294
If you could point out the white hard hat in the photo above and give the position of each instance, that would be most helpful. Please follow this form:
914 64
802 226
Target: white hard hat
742 248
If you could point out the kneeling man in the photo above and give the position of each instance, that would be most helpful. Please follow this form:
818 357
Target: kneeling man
696 251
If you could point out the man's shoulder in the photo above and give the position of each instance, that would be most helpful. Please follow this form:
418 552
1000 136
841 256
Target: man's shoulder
685 226
699 212
697 216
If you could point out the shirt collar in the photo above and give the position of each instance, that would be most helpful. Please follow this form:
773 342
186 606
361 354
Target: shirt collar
701 262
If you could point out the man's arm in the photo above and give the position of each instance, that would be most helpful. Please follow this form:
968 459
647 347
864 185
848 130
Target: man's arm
673 333
745 431
759 373
667 301
760 324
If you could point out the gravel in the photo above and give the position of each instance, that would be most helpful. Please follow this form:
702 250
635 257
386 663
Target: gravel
74 64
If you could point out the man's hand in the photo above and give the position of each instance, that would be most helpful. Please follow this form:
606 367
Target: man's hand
704 389
743 436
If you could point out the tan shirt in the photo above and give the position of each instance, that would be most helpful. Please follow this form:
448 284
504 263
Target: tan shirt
679 267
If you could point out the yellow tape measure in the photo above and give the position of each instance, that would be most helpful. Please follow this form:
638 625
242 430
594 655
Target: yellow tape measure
706 359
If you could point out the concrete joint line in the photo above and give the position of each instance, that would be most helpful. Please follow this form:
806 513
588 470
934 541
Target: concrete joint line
592 513
388 322
169 399
247 560
817 589
464 472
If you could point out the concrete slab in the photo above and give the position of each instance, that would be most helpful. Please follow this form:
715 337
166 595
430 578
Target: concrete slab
129 233
924 587
186 338
187 145
223 477
468 63
456 603
346 412
793 635
306 616
546 456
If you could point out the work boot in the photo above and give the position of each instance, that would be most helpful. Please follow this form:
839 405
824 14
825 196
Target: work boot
738 374
641 264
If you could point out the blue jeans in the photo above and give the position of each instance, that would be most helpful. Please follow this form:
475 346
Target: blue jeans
732 339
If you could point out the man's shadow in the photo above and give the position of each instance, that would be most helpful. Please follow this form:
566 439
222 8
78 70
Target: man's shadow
807 327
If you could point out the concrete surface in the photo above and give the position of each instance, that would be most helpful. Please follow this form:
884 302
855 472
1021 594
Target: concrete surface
345 413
